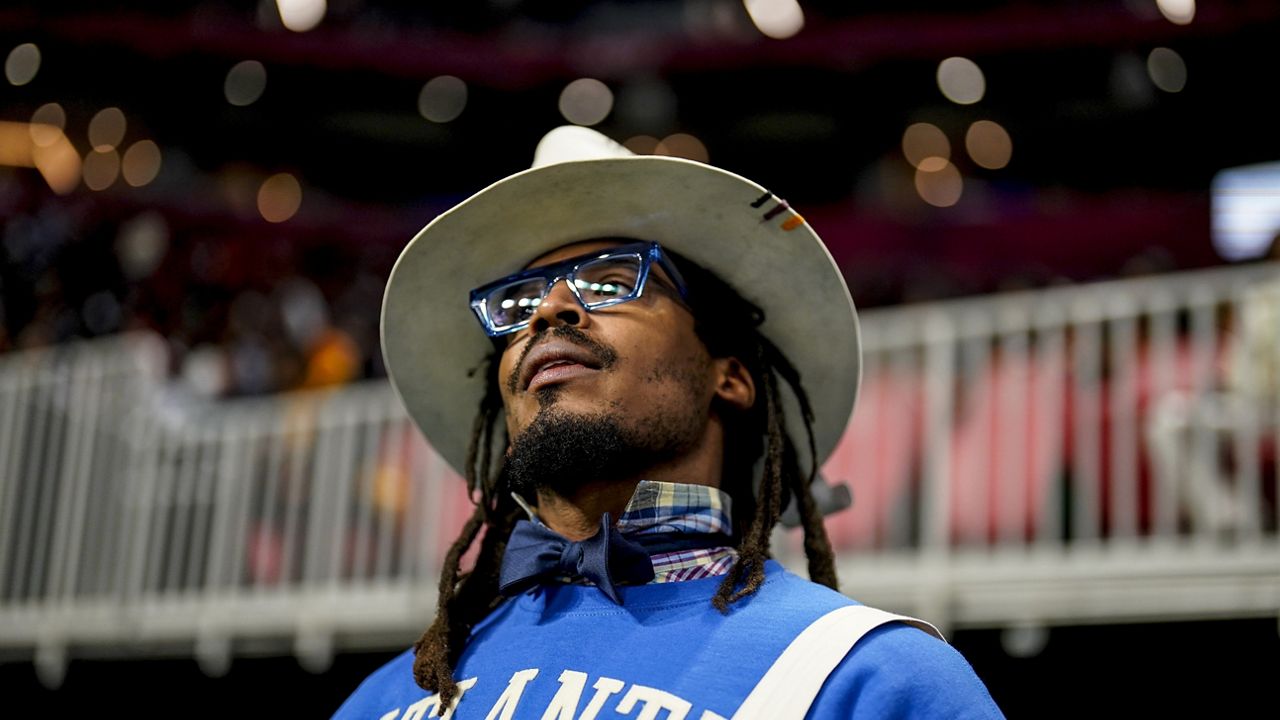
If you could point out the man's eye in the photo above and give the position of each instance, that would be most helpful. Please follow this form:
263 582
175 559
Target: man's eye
605 287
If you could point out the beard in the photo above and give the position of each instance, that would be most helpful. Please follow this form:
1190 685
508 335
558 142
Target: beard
562 451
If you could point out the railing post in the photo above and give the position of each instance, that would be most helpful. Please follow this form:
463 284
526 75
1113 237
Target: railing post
1201 472
1164 400
19 373
1013 388
936 487
1050 397
1086 385
1251 389
1122 405
77 479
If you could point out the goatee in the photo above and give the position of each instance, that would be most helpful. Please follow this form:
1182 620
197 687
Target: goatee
561 451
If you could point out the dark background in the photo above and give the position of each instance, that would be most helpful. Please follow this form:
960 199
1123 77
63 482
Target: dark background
1109 177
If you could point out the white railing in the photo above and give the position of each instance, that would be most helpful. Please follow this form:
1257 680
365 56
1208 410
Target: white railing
1093 453
1060 456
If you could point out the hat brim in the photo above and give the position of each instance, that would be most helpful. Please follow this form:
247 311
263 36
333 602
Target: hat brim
432 344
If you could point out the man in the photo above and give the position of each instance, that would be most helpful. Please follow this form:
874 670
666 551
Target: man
671 353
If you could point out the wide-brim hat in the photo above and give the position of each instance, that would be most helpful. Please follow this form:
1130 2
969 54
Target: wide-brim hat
583 186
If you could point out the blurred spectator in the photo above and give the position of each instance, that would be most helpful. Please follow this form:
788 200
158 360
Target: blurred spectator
204 371
1255 363
334 360
1186 428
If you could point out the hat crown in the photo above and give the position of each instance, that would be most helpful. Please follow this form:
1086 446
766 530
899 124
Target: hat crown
569 143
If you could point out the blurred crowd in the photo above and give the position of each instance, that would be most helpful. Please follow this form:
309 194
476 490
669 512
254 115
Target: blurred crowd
250 308
243 313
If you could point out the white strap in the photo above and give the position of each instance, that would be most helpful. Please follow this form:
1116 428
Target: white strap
788 688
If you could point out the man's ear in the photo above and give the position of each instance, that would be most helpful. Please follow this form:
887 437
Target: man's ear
734 384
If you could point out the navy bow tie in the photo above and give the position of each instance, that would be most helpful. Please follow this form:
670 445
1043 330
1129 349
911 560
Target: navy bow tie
536 553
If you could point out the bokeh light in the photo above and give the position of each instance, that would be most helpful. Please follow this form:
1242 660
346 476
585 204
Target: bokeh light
924 140
16 147
442 99
22 64
778 19
1245 210
1167 70
586 101
101 168
141 163
59 163
47 124
301 15
682 145
279 197
106 129
989 144
245 83
141 243
941 187
961 80
1178 12
933 163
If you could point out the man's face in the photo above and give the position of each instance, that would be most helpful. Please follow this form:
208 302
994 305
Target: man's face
636 372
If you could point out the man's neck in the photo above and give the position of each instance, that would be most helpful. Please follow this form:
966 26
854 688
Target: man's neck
578 517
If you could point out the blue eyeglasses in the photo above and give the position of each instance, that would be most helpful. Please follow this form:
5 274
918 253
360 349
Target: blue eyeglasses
598 280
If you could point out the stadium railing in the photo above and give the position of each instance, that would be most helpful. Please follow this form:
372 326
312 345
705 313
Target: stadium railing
1081 454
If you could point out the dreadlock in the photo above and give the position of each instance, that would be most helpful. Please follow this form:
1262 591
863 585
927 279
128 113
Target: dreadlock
465 599
728 325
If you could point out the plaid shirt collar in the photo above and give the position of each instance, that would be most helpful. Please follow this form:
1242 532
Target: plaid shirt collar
662 507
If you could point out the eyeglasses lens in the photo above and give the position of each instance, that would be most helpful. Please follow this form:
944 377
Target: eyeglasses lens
513 304
596 281
613 278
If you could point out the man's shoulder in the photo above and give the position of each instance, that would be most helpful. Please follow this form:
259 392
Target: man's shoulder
786 592
898 670
392 683
894 670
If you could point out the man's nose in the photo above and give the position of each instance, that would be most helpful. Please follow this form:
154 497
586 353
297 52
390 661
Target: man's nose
559 307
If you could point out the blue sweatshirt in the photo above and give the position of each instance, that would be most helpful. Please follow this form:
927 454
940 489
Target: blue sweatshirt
566 652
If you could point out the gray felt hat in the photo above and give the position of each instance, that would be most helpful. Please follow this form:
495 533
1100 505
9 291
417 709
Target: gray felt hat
583 185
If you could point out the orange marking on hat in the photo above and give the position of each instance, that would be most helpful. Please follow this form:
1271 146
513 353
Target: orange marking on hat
792 222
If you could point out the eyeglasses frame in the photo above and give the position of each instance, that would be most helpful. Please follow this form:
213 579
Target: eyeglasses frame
648 253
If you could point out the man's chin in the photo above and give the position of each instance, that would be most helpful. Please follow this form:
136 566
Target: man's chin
563 448
548 396
577 393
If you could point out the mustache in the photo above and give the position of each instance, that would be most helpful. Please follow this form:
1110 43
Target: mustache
604 355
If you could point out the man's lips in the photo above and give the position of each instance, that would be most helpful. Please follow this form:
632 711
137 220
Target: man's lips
555 361
551 374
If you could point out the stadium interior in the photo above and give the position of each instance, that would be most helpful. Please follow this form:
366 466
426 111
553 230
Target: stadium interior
1059 221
